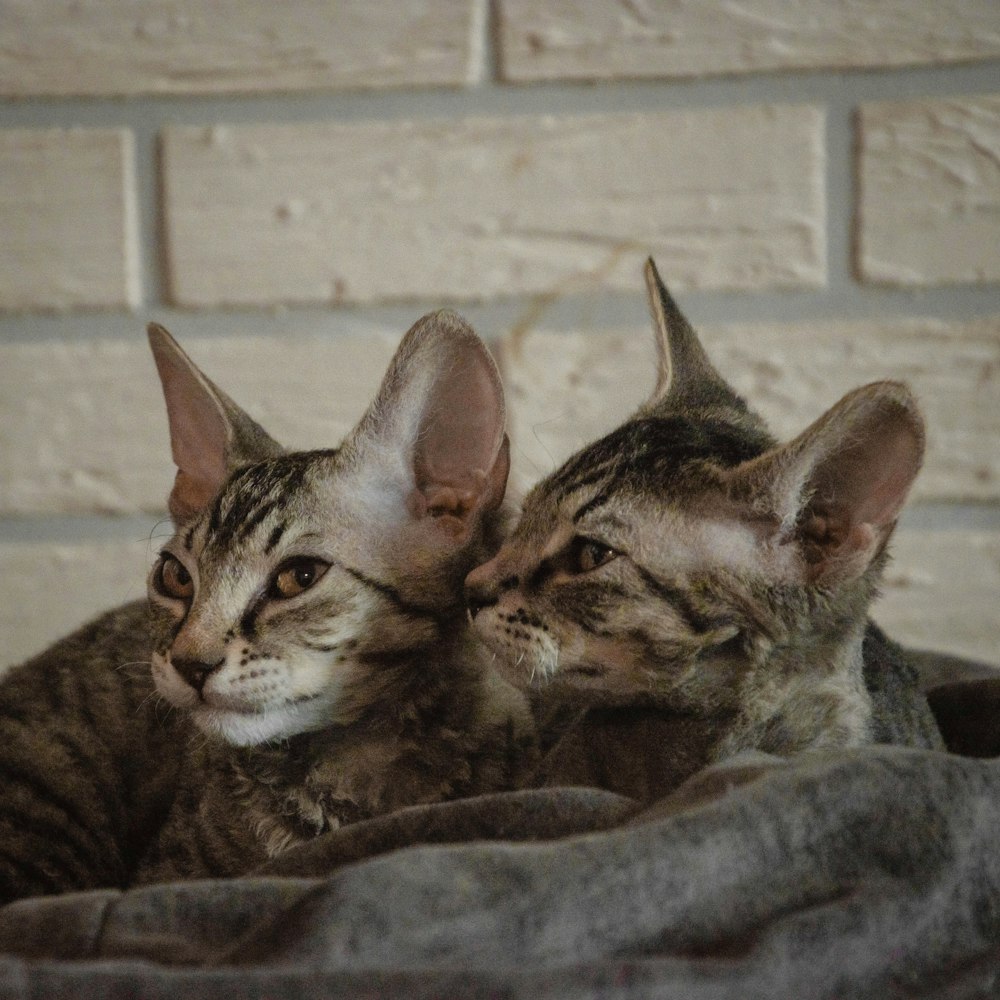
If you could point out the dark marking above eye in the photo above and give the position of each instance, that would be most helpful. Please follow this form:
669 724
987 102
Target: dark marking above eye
275 537
652 449
393 596
598 500
680 600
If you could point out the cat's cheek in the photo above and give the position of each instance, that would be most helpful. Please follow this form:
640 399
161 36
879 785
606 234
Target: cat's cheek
170 685
526 655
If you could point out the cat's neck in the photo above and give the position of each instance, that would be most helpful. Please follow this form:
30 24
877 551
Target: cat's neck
807 693
401 704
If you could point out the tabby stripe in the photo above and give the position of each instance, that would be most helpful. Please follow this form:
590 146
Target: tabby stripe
322 647
679 600
96 764
595 630
59 843
215 516
217 846
48 855
598 500
393 595
256 518
568 485
29 879
257 492
48 797
106 792
248 623
275 537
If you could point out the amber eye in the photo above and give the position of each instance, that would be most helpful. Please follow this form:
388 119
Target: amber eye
296 576
172 579
590 554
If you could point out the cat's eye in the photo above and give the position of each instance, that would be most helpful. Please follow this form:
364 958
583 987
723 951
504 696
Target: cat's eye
295 576
172 579
589 555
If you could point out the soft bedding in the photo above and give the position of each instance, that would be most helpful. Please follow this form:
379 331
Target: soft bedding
873 872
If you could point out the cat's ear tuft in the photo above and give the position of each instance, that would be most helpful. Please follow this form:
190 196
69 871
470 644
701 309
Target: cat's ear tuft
209 434
684 375
837 489
438 423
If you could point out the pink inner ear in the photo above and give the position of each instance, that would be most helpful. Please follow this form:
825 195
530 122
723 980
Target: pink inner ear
197 434
459 436
198 430
867 482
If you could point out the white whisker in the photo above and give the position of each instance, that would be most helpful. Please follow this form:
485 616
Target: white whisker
134 663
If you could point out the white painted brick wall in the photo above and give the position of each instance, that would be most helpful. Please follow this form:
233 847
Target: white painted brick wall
105 47
566 390
62 586
930 191
567 39
83 427
941 592
67 219
480 208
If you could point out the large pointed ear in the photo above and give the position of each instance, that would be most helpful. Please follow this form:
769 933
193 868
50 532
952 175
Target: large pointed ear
209 434
837 489
436 428
684 375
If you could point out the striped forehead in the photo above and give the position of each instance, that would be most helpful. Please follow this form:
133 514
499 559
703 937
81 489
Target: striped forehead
650 455
254 498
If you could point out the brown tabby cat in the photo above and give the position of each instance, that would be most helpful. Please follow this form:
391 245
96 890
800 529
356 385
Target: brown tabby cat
314 628
307 623
687 562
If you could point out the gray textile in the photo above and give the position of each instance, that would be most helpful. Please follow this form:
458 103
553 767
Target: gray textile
866 873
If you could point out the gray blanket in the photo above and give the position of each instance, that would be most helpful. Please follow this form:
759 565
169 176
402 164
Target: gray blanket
865 873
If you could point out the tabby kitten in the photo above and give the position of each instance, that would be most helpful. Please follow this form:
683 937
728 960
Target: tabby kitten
88 760
687 561
313 627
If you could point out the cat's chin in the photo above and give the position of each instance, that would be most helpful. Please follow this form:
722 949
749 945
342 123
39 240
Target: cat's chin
245 729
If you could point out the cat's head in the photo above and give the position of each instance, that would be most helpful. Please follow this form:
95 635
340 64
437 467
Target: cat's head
664 558
292 575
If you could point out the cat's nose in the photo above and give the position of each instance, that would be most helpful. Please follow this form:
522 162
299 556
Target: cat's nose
483 588
195 672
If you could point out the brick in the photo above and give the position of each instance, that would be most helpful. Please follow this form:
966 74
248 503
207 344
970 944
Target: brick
940 592
929 191
563 39
67 219
565 390
83 428
484 208
102 48
50 589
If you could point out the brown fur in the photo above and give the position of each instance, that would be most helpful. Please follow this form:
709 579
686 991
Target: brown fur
359 692
685 562
88 760
273 720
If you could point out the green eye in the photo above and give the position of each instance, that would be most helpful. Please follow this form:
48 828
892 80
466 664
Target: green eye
589 555
296 576
171 579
